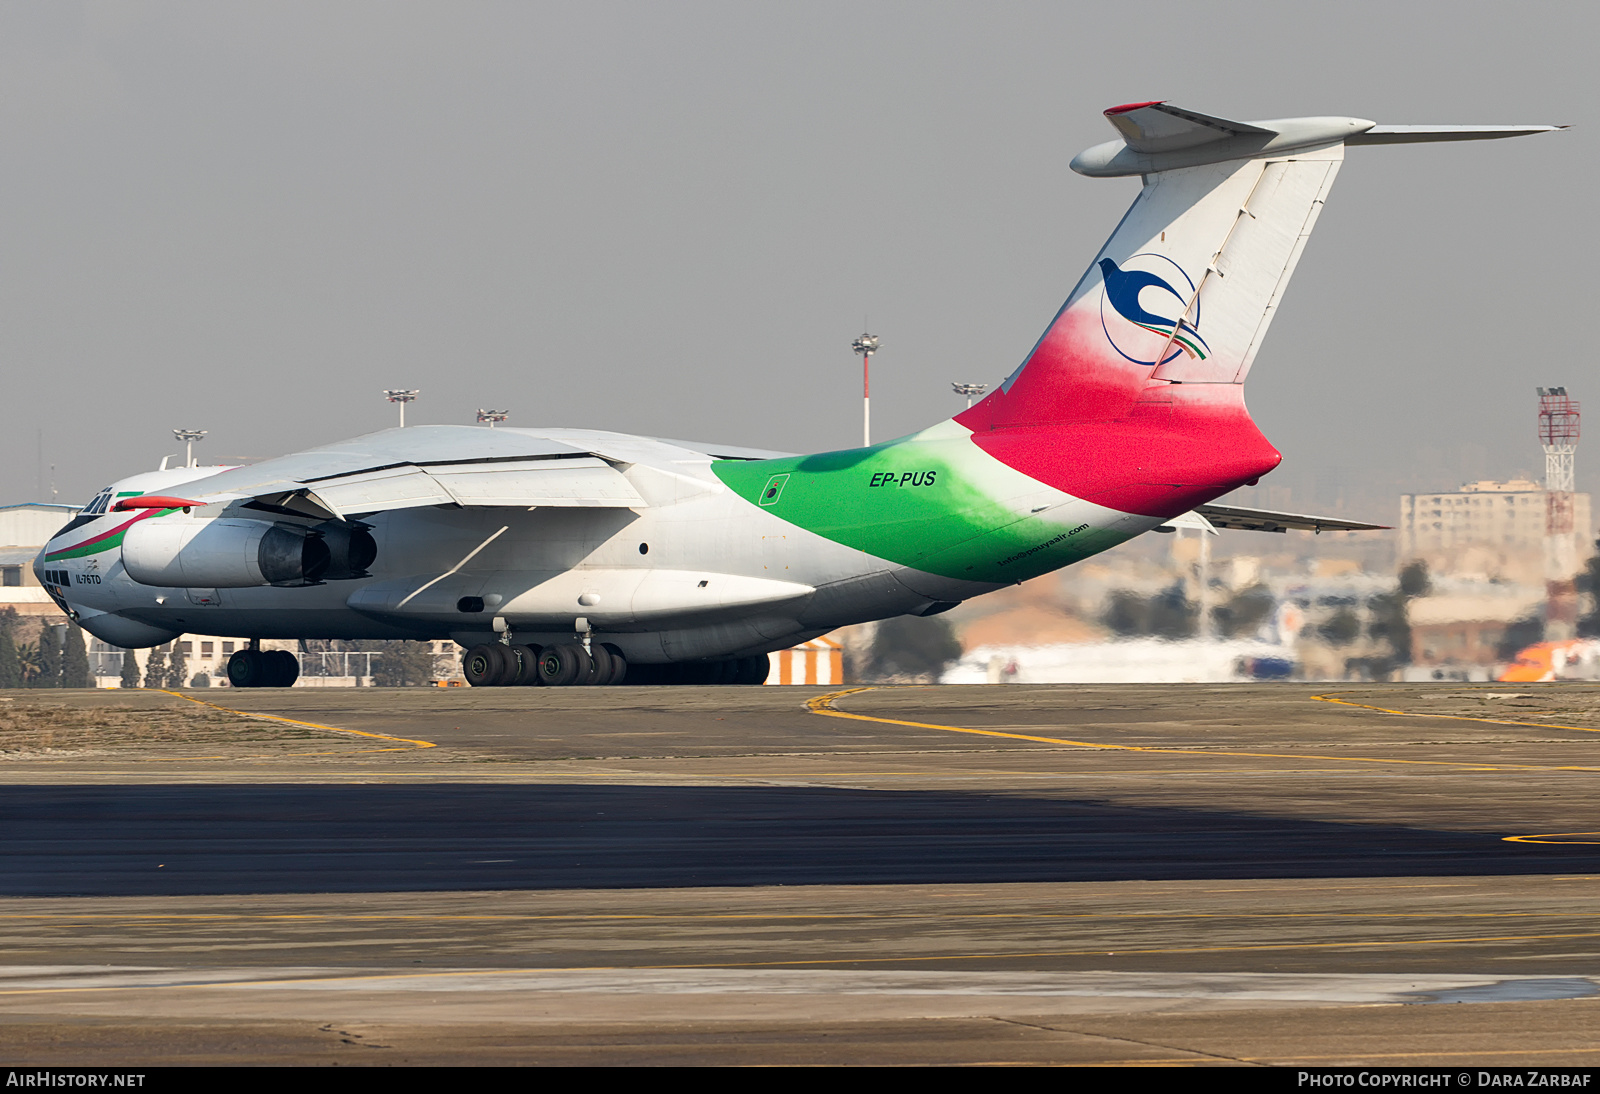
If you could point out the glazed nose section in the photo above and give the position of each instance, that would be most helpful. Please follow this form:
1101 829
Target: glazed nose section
54 576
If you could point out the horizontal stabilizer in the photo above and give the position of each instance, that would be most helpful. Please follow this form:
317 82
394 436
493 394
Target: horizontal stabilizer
1159 137
1421 134
1158 127
1265 520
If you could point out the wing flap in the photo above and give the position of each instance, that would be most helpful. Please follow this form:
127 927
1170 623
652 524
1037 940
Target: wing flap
391 488
584 482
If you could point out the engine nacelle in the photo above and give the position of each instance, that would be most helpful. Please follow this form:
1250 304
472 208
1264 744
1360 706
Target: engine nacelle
351 549
222 553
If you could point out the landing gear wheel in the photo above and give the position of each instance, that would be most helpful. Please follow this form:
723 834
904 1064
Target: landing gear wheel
560 666
527 674
619 667
246 669
509 665
283 669
599 667
485 666
249 668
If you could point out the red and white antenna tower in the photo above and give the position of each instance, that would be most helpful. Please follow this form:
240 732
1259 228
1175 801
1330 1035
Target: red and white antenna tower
1558 433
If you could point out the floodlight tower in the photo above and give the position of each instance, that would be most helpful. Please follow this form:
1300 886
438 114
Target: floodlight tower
401 395
492 416
188 437
866 345
1558 435
971 391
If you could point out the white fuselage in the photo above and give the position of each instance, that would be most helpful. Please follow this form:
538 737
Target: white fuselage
696 572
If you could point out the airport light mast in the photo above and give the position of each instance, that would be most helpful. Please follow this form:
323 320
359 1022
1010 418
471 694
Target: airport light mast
492 416
1558 436
866 345
188 437
971 391
402 395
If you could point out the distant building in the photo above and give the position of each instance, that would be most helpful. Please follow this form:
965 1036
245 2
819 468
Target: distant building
1462 630
24 530
1492 528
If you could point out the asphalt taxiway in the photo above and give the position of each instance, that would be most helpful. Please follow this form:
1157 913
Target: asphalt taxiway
1091 874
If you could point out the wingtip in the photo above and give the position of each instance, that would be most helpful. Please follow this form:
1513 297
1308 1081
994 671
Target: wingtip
1111 111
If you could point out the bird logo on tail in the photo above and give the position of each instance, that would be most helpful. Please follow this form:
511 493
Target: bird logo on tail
1129 289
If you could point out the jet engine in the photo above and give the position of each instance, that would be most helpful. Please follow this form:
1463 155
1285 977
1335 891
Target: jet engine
223 553
351 549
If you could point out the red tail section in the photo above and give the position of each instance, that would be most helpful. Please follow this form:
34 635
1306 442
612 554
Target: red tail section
1133 397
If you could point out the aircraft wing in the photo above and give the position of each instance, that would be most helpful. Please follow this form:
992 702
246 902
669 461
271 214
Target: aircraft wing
1265 520
425 465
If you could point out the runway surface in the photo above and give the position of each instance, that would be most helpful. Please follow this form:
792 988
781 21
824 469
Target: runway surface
1245 873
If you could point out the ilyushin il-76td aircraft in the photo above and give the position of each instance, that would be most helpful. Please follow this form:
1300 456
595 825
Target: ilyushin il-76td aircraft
569 556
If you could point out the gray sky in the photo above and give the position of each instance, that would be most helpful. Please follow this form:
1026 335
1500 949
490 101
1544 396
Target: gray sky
672 218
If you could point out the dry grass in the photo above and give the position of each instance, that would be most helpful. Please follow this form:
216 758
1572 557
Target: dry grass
31 728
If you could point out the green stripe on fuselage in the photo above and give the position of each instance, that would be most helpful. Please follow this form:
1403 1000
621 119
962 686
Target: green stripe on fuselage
83 550
934 501
95 544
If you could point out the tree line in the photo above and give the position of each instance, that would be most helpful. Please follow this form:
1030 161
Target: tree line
59 658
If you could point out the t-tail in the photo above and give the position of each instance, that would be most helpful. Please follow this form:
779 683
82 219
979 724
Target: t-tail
1150 351
1129 413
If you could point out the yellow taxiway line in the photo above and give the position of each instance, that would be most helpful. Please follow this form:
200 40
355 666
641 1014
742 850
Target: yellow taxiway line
415 744
823 704
1452 717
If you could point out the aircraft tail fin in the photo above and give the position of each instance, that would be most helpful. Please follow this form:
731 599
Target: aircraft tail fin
1184 290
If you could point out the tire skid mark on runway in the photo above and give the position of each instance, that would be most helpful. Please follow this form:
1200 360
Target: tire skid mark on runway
823 704
366 978
605 917
415 744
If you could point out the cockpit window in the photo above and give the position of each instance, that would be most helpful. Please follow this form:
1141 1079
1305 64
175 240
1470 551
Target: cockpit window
98 505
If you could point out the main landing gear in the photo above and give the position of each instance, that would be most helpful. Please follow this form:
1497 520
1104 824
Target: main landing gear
497 665
258 668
